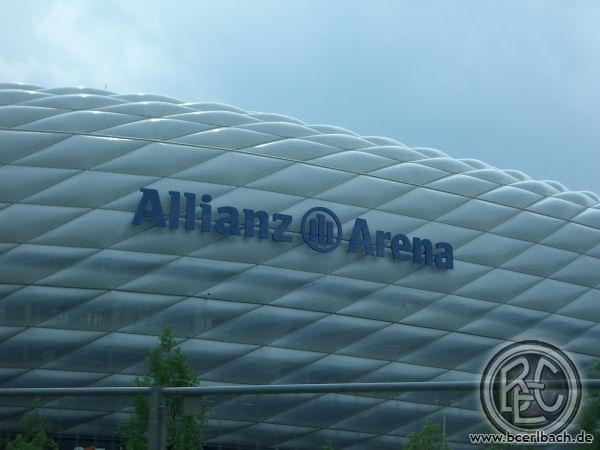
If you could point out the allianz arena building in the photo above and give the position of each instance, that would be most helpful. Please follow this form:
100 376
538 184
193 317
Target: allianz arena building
279 252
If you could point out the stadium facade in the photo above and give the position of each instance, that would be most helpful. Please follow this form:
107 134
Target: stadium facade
279 252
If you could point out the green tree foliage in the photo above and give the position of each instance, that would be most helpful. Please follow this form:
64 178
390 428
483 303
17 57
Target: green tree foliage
166 366
589 418
430 437
35 437
328 445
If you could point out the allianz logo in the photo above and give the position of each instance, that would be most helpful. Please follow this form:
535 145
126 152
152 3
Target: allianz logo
320 228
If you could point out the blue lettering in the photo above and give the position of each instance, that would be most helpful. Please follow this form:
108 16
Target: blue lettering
360 237
155 213
278 232
229 225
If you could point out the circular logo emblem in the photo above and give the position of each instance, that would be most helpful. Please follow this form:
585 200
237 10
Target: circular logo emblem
321 229
530 386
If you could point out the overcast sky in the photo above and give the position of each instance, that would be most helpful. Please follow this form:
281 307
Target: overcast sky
513 83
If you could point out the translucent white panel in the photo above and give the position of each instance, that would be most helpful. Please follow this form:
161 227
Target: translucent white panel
217 118
28 263
36 346
263 365
80 122
556 329
227 138
424 203
431 152
96 229
332 129
144 97
491 249
205 355
186 276
537 186
476 164
11 116
15 96
326 410
548 295
263 326
504 322
149 109
353 161
449 313
391 303
584 307
301 179
589 217
189 317
439 398
586 342
20 86
106 269
585 270
528 226
381 140
510 196
451 350
479 215
233 168
446 164
270 117
330 333
87 189
437 231
294 149
556 207
574 237
20 223
492 175
340 140
112 352
80 152
398 372
130 201
498 285
18 182
261 284
159 129
379 270
167 241
442 280
109 311
410 173
17 144
328 294
40 378
72 101
393 342
365 191
585 199
212 106
77 90
540 260
35 304
462 185
395 152
303 258
332 369
261 200
283 129
158 159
